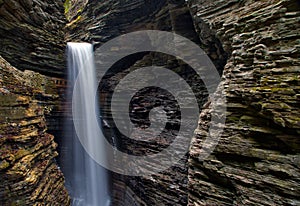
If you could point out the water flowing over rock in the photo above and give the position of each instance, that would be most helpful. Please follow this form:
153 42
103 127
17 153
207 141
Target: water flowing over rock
86 180
253 44
257 158
162 15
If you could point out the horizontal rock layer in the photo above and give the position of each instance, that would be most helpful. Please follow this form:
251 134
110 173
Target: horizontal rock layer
97 22
28 171
32 35
172 182
257 159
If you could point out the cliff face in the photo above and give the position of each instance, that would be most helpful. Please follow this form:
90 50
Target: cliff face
32 36
257 159
99 22
256 43
28 171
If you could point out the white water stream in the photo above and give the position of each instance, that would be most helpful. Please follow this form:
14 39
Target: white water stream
86 181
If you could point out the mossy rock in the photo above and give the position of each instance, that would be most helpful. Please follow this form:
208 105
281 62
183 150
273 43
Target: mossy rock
3 165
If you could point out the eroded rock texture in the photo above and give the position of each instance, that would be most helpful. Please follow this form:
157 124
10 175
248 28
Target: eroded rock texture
168 187
28 172
257 160
32 35
99 22
172 183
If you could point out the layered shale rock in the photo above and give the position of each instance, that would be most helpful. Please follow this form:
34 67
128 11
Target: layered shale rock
168 187
98 22
172 183
32 36
28 171
257 160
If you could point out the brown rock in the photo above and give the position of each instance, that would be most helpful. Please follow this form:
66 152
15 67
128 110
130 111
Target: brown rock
255 162
29 173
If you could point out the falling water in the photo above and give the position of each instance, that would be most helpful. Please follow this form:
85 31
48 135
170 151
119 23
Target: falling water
86 180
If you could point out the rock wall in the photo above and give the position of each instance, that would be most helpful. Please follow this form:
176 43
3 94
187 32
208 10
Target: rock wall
28 172
32 35
257 159
172 183
32 39
99 22
255 42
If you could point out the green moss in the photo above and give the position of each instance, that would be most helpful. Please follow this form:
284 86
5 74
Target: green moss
70 12
67 6
232 119
74 21
18 203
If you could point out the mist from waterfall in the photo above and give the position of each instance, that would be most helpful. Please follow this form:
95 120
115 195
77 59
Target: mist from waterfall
86 181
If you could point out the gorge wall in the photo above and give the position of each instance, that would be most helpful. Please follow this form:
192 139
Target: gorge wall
98 23
31 39
257 159
253 44
32 35
28 171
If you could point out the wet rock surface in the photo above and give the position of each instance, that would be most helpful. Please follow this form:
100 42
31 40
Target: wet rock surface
97 22
256 43
169 186
259 39
28 170
257 159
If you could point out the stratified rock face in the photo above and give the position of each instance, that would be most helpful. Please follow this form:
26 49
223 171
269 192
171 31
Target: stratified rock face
29 174
100 21
32 36
168 187
257 160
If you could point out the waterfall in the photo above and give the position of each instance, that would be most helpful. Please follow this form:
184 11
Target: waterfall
86 181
